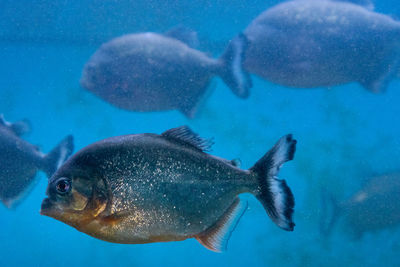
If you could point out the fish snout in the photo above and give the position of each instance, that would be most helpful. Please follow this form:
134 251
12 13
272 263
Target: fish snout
46 207
88 76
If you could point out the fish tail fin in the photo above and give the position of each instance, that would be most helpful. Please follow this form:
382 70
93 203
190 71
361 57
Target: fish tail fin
330 211
57 156
273 193
232 73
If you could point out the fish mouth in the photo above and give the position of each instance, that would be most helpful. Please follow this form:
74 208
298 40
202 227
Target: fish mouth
84 82
46 207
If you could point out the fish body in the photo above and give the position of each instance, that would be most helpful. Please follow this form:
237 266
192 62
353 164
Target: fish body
149 188
308 44
376 206
20 160
154 72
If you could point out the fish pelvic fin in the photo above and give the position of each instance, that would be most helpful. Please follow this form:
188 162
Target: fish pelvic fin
273 193
232 73
378 82
217 236
55 158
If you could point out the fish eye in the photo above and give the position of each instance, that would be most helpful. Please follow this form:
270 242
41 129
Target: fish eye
63 186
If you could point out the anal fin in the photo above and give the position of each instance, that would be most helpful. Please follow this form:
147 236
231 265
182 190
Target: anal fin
217 236
378 83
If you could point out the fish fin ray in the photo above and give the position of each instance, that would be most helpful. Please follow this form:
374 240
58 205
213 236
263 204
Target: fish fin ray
273 193
217 236
185 136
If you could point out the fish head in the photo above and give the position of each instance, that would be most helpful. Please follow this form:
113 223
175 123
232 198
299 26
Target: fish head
101 79
74 198
98 73
92 77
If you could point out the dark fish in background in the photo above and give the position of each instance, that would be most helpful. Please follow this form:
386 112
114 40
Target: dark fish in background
376 206
19 160
154 72
309 44
150 188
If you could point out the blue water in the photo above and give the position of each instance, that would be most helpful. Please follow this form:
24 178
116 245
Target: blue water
344 135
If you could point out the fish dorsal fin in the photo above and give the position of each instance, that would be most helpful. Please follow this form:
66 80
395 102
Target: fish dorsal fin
367 4
19 128
217 236
3 121
185 136
185 35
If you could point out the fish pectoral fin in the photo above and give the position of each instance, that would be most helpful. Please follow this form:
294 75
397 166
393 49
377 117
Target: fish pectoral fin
217 236
112 219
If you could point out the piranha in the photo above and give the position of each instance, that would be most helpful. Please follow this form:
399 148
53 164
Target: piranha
374 207
147 188
154 72
20 160
308 44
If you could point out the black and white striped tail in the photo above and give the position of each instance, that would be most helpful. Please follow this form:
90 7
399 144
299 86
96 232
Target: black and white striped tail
273 193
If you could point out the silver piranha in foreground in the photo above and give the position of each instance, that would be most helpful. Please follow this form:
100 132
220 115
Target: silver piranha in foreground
374 207
149 188
154 72
308 44
19 160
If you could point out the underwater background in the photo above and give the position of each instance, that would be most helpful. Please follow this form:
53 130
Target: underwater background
345 135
